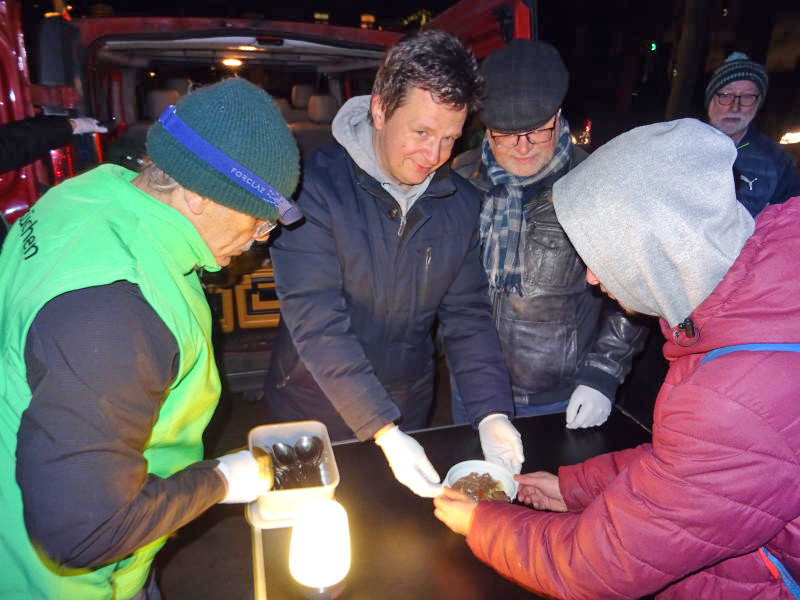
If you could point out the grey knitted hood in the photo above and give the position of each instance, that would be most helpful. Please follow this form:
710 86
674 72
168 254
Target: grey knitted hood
653 213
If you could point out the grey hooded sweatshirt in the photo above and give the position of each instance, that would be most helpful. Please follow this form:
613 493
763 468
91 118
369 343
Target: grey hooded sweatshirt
653 214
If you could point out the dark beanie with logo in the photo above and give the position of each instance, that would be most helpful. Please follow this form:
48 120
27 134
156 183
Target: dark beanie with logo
243 122
526 81
737 67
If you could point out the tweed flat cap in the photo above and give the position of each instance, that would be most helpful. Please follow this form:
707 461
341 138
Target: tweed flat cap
526 82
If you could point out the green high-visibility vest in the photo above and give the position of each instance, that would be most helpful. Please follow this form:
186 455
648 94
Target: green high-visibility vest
93 230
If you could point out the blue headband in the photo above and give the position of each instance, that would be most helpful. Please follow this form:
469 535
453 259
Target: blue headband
219 161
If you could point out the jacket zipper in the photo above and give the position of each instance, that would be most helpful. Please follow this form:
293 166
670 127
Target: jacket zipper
423 293
402 228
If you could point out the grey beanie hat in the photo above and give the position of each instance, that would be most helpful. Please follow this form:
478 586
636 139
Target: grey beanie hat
737 67
240 120
653 213
526 82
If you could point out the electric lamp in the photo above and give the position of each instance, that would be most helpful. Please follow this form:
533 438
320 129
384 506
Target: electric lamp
319 552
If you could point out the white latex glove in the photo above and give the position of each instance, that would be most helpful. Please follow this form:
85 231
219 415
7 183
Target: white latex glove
242 475
587 408
81 125
501 442
409 463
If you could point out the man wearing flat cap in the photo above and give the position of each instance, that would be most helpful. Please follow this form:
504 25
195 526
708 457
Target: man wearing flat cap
566 349
765 173
108 370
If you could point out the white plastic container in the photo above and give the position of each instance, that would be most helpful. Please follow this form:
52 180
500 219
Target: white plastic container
276 508
462 469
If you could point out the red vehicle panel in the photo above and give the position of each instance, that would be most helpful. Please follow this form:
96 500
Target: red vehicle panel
18 189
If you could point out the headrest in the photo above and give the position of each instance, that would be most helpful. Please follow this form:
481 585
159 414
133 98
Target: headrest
322 108
284 106
158 100
181 84
301 92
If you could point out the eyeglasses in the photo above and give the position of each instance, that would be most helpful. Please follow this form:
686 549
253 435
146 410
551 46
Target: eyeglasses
263 230
745 100
537 136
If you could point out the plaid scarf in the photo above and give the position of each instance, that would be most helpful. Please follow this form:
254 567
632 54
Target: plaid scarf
502 223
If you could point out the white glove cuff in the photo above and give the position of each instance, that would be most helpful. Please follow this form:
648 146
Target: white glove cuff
242 477
493 417
388 437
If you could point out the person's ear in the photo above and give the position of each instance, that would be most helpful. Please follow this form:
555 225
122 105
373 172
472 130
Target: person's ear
591 278
377 111
195 202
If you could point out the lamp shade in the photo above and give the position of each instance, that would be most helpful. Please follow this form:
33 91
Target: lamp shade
319 553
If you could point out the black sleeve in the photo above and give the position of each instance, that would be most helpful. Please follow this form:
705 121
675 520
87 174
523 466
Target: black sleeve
3 230
99 362
471 341
610 357
788 185
22 142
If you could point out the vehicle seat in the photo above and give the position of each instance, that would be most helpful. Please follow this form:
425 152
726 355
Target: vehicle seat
322 108
158 100
316 131
128 148
298 109
301 93
284 106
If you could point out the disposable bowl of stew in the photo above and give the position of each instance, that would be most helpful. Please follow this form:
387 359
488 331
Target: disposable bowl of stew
482 480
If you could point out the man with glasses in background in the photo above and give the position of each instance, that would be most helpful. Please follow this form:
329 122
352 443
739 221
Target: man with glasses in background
764 172
565 348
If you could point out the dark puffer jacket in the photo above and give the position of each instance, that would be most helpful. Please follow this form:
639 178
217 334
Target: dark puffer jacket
765 172
560 333
361 288
684 517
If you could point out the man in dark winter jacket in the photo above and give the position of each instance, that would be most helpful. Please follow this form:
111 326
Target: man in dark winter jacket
565 348
390 244
765 173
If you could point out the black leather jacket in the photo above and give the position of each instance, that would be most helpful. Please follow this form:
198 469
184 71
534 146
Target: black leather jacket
561 332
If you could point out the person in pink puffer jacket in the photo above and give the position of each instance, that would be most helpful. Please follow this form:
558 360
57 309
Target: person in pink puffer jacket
654 216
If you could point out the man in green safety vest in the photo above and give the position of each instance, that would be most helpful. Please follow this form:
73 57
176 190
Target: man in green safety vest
107 376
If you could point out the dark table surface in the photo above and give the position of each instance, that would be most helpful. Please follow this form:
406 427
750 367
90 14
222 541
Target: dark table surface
399 549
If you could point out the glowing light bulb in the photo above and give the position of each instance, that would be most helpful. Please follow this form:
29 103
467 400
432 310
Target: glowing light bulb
319 553
791 137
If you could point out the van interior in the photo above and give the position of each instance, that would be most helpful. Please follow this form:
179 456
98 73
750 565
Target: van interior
132 77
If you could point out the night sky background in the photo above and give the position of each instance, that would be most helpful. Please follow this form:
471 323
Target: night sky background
614 73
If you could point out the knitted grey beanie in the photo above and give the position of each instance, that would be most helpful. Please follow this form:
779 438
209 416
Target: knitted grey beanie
243 122
737 67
